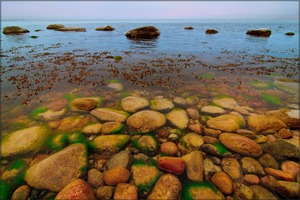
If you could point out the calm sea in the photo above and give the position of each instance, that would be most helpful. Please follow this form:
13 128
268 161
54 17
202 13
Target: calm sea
173 39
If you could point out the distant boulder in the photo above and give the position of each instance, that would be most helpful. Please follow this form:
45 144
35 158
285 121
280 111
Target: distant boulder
290 33
105 28
259 32
14 30
145 32
77 29
188 28
211 31
55 26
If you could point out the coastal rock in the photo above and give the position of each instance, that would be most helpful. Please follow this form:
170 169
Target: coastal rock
133 104
178 118
123 158
111 127
76 29
110 143
147 144
259 32
226 102
146 120
188 28
77 189
190 142
240 144
175 165
280 149
105 28
25 141
85 104
73 123
144 176
260 192
212 110
251 166
203 190
265 124
145 32
55 26
169 148
92 129
211 31
110 115
46 174
228 123
289 33
290 117
233 168
287 189
95 178
9 30
161 104
116 175
223 182
242 192
168 186
194 165
126 191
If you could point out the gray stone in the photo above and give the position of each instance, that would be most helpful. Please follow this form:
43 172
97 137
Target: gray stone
123 158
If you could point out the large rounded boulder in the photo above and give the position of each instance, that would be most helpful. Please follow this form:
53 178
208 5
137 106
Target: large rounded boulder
14 30
145 32
259 32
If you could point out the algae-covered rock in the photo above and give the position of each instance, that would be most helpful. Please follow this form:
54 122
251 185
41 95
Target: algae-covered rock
233 168
225 102
202 190
228 123
280 149
290 117
14 174
147 144
110 115
144 176
91 129
133 104
161 104
47 174
111 127
194 165
240 144
45 114
24 142
178 118
8 30
110 143
146 120
73 123
242 192
168 186
55 26
252 166
105 28
216 149
190 142
85 104
262 193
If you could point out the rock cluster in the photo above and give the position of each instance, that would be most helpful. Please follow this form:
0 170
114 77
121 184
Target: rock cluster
153 147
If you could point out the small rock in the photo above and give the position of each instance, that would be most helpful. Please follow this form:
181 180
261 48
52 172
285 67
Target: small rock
203 190
126 191
228 123
215 149
168 186
265 124
95 178
147 144
116 175
260 192
223 182
279 174
110 143
210 140
290 117
192 100
284 134
105 192
123 158
133 104
169 148
212 132
178 118
146 120
267 160
188 28
85 104
174 165
190 142
111 127
251 179
115 85
290 34
251 166
73 123
261 139
193 113
110 115
76 29
180 101
240 144
92 129
287 189
247 133
77 189
209 168
21 193
233 168
161 104
105 28
196 127
212 110
211 31
242 192
194 165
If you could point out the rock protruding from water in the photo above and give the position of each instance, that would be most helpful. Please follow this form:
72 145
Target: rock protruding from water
259 32
211 31
55 26
290 34
188 28
145 32
75 29
146 120
47 174
24 142
105 28
14 30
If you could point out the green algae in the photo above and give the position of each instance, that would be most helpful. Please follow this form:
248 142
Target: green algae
35 113
5 190
58 142
271 99
118 58
207 76
188 186
221 149
17 164
34 36
77 137
117 129
113 81
260 84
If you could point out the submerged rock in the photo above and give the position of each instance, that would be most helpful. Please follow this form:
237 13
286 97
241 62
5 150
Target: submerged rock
105 28
110 143
226 102
260 192
178 118
161 104
110 115
265 124
203 190
14 30
228 123
126 191
24 142
280 149
290 117
145 32
190 142
259 32
76 29
47 174
222 181
194 165
147 144
175 165
133 104
116 175
212 110
85 104
233 168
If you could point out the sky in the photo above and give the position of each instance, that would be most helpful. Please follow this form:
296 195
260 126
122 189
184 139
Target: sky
149 10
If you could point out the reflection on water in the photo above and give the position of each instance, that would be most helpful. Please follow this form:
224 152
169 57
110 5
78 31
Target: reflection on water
257 40
142 43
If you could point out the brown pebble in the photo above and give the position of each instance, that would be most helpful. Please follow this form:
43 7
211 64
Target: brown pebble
126 191
283 133
291 167
223 182
279 174
251 179
169 148
116 175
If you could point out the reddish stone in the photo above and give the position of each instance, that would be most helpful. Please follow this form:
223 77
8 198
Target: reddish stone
174 165
279 174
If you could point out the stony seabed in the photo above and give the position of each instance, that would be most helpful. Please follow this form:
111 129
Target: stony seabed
151 146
